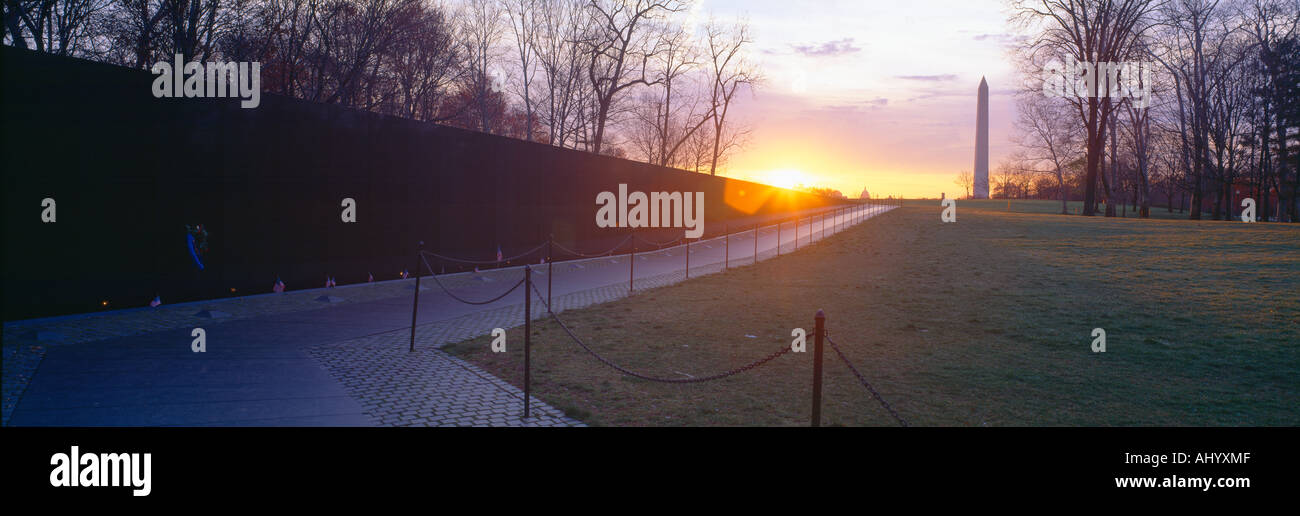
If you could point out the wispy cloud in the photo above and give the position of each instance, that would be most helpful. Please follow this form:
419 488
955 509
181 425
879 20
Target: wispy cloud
1002 37
837 47
929 78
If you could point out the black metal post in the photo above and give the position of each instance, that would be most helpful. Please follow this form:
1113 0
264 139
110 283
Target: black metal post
820 329
631 265
688 257
755 242
528 337
550 269
779 223
796 232
415 305
726 244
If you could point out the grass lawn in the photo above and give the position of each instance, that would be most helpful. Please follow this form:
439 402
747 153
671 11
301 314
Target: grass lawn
983 322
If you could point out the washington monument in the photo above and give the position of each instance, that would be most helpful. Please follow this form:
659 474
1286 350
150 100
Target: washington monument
982 143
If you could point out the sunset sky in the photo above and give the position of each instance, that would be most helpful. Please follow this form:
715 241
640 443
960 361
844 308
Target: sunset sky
872 94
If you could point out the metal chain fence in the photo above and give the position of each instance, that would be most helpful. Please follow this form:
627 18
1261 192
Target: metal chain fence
864 381
635 374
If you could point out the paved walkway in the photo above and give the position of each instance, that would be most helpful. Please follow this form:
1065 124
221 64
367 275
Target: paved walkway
304 359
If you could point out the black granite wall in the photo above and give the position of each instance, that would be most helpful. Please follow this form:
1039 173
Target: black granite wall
129 171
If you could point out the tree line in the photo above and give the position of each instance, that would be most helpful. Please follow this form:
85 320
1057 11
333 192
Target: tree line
1222 123
643 79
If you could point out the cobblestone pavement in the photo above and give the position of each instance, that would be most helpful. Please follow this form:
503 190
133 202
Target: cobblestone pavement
26 342
428 387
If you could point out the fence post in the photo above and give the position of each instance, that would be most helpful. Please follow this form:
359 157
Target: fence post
796 232
819 331
550 269
755 242
726 244
415 305
688 257
631 264
779 223
528 336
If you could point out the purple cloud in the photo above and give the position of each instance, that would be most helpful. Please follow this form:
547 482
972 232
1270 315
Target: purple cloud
837 47
930 78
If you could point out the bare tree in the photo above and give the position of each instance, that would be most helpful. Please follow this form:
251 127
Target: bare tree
192 27
1274 27
135 28
730 70
966 180
1187 46
63 27
1005 180
425 64
1089 32
481 29
618 52
523 16
1048 137
673 111
561 26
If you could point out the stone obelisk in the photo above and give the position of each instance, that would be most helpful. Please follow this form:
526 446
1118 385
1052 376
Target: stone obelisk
982 143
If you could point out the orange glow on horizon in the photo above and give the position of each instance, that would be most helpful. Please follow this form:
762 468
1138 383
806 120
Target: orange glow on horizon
823 172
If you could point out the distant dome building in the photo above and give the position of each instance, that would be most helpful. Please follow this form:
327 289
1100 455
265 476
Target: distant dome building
865 194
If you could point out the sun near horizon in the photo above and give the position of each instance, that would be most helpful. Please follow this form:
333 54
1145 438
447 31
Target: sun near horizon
847 104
